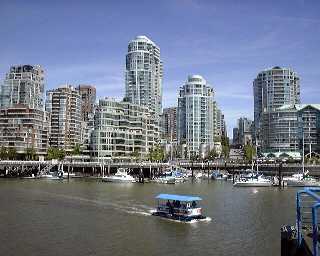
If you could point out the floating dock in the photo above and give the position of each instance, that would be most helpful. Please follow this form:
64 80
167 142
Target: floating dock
303 239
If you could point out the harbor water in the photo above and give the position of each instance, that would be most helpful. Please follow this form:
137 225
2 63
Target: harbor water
88 217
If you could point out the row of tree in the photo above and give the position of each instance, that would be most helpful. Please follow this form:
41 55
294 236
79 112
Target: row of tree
30 154
156 154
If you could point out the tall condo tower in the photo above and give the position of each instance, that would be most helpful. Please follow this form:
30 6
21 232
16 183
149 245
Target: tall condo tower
65 105
273 88
144 74
23 85
195 114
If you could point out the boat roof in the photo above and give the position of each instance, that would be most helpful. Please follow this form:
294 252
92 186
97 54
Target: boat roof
184 198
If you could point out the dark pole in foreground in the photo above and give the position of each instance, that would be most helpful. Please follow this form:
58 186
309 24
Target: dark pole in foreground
233 173
279 174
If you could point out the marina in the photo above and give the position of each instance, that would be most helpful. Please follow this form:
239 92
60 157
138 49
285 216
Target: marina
78 216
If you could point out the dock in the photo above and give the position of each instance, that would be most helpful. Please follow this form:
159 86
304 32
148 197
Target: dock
303 239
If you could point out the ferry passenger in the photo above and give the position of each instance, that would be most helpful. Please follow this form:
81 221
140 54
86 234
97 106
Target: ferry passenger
194 204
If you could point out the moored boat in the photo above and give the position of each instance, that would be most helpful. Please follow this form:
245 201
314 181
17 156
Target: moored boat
183 208
121 176
258 181
165 180
71 175
217 175
51 176
301 180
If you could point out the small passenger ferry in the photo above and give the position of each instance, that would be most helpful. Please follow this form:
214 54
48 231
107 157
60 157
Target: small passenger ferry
182 208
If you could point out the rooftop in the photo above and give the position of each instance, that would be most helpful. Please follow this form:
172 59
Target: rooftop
183 198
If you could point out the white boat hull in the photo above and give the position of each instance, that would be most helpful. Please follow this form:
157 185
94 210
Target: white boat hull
252 184
302 183
112 179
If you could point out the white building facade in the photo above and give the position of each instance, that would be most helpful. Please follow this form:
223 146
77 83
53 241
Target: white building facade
143 75
195 124
123 130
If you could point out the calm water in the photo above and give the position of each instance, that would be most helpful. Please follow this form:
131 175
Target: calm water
87 217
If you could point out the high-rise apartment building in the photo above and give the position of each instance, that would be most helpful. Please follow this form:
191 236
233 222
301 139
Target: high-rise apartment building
88 96
23 121
220 127
243 132
123 130
169 123
144 74
24 84
23 128
235 136
284 128
64 104
273 88
195 115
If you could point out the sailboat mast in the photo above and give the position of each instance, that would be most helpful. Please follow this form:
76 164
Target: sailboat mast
302 152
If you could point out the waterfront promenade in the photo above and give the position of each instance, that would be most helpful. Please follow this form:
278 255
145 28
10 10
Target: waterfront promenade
20 168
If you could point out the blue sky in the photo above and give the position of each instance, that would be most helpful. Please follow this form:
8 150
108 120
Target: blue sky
227 42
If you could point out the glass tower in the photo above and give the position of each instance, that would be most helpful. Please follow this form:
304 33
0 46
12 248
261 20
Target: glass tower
24 85
272 89
144 74
195 115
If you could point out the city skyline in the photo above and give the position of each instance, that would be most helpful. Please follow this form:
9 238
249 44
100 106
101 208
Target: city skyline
227 43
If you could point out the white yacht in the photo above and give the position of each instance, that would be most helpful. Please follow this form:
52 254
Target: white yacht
199 175
165 180
258 181
301 180
71 175
121 176
50 176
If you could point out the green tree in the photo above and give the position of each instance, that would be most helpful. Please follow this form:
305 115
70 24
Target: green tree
55 153
76 150
156 154
12 153
3 153
225 146
61 154
194 157
249 152
135 154
212 155
30 153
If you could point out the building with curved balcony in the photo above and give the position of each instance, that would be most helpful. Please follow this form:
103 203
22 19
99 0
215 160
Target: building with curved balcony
273 88
24 84
123 130
195 125
143 75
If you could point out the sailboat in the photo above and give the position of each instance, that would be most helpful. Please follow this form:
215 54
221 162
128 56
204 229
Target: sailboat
301 179
256 180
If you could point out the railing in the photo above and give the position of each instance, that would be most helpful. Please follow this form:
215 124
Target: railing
308 203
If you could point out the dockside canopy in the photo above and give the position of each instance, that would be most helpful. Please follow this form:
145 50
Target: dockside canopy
184 198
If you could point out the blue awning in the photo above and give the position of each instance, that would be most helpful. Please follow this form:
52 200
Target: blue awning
183 198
